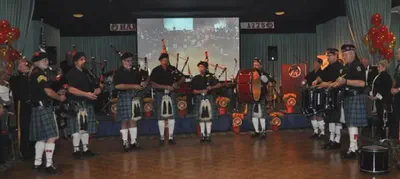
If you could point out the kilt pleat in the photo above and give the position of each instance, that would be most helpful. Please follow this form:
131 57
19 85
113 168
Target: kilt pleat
157 105
43 123
355 111
124 105
72 123
197 102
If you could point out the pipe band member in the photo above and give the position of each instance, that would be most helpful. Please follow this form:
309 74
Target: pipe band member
83 91
355 102
259 109
129 105
43 124
165 82
205 107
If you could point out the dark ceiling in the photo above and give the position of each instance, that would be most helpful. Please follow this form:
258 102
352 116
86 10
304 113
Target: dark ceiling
301 15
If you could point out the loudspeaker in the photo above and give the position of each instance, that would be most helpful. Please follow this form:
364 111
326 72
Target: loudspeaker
272 53
52 55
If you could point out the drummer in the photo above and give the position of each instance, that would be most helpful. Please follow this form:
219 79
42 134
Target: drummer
317 120
259 109
326 80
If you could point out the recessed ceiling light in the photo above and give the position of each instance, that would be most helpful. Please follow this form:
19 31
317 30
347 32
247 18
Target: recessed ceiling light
78 15
279 13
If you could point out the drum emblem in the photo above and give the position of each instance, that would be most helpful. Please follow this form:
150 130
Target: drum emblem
182 105
291 101
294 71
148 107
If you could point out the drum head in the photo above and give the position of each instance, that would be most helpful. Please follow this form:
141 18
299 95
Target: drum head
374 148
256 89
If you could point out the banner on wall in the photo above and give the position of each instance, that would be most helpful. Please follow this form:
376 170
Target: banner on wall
292 76
257 25
122 27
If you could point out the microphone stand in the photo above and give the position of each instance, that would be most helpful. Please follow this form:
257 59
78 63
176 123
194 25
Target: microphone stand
392 149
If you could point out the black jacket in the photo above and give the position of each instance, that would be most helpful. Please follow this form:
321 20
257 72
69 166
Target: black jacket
383 85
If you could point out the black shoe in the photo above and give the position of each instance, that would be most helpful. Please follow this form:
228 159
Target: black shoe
263 135
171 141
37 168
327 145
208 139
334 145
255 134
52 170
77 155
136 146
161 142
88 153
350 155
126 147
202 139
314 136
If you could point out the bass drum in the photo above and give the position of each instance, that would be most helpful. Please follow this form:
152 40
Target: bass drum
248 88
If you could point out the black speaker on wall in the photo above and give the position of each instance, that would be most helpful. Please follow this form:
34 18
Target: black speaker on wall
272 53
52 55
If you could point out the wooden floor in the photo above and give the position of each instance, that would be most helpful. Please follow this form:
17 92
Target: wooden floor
283 155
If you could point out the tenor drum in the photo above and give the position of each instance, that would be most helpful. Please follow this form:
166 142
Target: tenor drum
248 89
319 100
374 159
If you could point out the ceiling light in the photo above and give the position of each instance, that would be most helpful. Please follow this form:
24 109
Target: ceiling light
78 15
279 13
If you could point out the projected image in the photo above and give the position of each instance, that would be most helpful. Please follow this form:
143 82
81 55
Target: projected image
191 37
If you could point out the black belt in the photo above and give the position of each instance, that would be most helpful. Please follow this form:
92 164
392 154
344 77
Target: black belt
352 92
40 103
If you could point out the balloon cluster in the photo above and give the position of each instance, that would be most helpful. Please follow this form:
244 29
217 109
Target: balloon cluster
8 35
379 38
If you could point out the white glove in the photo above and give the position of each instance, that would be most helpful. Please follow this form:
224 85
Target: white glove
264 79
379 96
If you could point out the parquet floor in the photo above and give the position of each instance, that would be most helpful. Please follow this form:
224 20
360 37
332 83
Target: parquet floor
283 155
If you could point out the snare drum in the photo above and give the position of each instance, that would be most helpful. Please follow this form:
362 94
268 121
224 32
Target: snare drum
306 102
247 88
319 100
374 159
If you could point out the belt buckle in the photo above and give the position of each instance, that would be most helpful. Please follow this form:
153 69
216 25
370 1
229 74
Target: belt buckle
41 103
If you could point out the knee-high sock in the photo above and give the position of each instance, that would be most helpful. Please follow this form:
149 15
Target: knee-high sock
321 126
353 133
124 134
208 125
133 133
338 132
202 128
161 128
171 127
76 139
49 148
314 124
39 149
332 131
85 141
262 123
255 124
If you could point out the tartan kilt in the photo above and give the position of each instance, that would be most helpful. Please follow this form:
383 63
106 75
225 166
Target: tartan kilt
355 111
263 103
158 100
124 105
214 109
72 124
43 123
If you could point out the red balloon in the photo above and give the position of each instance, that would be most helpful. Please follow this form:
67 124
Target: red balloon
389 54
382 51
383 29
16 33
4 24
13 55
390 37
2 39
378 44
373 34
376 19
